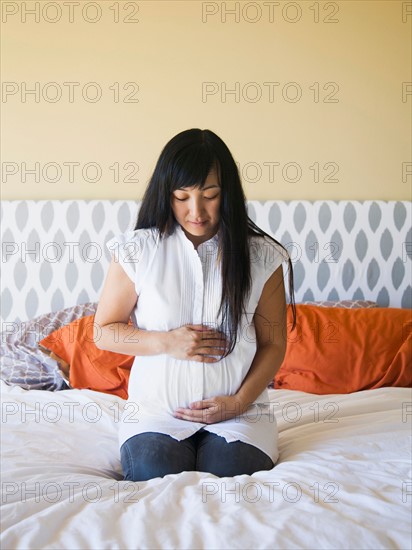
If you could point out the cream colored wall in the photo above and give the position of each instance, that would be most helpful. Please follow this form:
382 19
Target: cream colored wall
347 137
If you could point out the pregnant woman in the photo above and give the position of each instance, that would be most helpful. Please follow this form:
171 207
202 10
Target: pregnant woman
205 289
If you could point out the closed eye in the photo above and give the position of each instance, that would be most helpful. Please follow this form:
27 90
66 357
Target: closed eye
207 198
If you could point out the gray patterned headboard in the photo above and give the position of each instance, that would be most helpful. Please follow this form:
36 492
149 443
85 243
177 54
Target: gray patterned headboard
54 254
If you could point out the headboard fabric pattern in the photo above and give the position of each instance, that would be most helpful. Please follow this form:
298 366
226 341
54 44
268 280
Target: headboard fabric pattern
54 254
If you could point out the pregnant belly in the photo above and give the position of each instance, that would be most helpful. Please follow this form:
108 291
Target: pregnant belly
162 383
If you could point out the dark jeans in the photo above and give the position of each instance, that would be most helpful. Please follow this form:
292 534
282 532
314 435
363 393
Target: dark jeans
149 455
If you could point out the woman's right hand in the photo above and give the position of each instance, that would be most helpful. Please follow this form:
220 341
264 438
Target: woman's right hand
196 343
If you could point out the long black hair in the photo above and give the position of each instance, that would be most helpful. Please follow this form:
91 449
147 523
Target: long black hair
186 161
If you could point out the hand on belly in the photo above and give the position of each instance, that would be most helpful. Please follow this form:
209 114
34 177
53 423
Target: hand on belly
212 410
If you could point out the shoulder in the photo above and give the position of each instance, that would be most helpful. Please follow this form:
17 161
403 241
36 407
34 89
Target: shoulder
135 236
265 248
134 250
265 254
133 245
147 233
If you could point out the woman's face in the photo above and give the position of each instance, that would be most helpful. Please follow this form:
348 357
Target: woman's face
197 210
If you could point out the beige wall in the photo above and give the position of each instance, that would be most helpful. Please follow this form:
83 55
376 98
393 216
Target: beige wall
348 136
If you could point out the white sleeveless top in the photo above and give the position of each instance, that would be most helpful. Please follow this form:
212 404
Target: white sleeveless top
178 285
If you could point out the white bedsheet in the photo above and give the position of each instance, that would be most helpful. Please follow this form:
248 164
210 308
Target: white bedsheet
343 479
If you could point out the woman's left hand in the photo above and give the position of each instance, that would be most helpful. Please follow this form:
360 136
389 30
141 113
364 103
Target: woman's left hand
212 410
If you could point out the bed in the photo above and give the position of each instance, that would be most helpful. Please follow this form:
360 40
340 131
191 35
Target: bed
343 478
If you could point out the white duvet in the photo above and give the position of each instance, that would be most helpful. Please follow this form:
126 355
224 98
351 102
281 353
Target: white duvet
343 479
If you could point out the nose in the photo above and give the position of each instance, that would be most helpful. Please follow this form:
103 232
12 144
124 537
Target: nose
196 209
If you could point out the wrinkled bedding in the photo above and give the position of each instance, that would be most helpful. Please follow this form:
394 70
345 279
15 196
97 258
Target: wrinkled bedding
343 479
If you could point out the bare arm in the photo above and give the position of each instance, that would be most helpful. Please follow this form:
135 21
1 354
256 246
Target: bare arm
270 325
113 333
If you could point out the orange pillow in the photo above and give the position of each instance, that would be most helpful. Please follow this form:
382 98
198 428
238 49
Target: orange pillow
332 350
336 350
90 367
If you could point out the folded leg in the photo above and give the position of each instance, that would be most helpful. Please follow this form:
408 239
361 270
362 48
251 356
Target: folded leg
216 456
149 455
